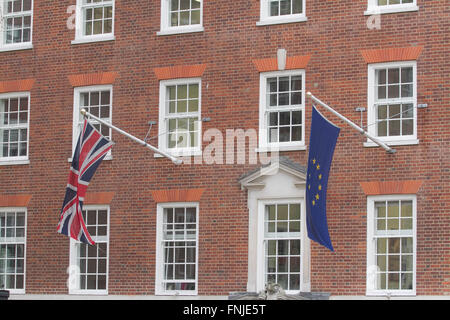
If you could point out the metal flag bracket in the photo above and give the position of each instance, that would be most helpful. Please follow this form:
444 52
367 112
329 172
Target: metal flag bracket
359 129
175 160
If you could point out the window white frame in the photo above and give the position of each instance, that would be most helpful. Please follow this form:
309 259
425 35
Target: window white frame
264 144
5 241
159 274
16 159
167 29
74 268
372 235
262 243
80 22
266 19
374 8
78 118
3 20
163 125
372 101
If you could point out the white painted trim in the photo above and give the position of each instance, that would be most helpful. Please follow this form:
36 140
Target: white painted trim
370 256
19 160
73 256
262 141
91 39
180 30
374 8
266 19
79 25
20 209
280 147
371 112
14 162
304 244
76 113
279 20
159 270
15 46
406 142
166 29
270 170
162 128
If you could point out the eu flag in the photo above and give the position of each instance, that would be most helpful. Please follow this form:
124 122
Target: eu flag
322 141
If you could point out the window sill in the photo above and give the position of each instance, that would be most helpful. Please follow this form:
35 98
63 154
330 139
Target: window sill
392 9
16 47
16 291
88 293
181 153
102 38
384 293
278 20
180 30
281 148
176 293
14 162
408 142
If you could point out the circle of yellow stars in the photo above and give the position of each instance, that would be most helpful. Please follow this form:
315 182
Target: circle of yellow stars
317 196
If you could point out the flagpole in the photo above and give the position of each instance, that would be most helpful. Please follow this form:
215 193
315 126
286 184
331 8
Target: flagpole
145 144
362 131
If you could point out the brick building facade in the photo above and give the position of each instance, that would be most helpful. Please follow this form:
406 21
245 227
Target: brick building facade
239 223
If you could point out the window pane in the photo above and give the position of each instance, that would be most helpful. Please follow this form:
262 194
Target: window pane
282 256
393 76
184 18
285 134
185 4
407 245
26 5
297 6
294 247
294 212
285 7
394 128
407 74
195 4
393 281
381 76
285 118
381 245
381 92
282 212
407 90
407 281
393 91
381 263
407 127
296 134
195 17
394 245
407 111
274 8
193 91
296 83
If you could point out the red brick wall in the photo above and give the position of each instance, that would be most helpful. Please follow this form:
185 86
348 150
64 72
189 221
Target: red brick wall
333 36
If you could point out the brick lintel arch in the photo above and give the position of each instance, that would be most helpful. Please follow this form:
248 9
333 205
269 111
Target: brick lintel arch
374 188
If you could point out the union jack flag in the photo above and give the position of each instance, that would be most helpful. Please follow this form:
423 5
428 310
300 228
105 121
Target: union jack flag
91 148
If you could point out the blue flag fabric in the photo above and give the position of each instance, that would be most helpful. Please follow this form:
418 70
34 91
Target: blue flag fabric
322 142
